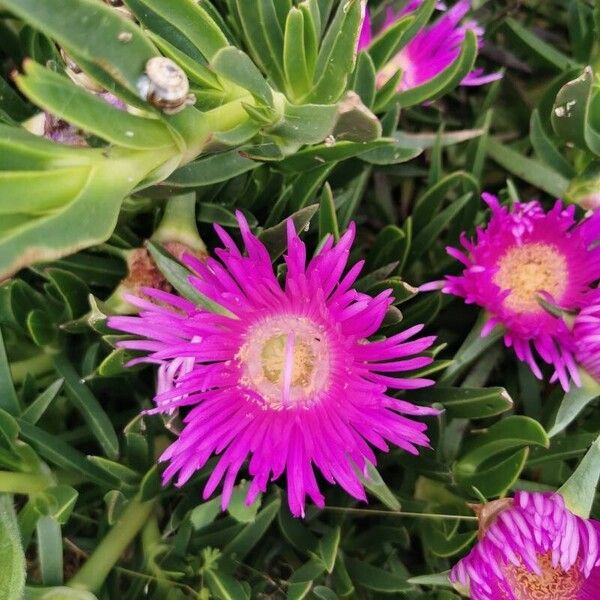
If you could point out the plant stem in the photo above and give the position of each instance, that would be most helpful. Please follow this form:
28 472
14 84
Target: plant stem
96 569
391 513
23 483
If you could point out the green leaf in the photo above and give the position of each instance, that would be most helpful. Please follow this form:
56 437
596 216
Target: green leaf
535 47
275 238
545 148
178 276
264 36
38 407
243 543
328 548
298 71
468 403
363 79
443 539
12 558
63 499
564 448
8 396
337 56
574 401
57 593
428 235
62 454
204 514
472 348
328 224
439 579
90 409
237 507
185 24
304 124
376 579
377 486
531 171
428 140
49 90
115 470
317 156
390 41
211 169
224 586
236 66
50 555
93 31
579 490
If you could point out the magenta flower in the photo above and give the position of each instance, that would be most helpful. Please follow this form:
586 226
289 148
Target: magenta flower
586 333
432 50
532 549
523 255
287 378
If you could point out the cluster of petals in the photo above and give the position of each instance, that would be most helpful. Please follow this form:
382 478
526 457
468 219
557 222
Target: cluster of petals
572 265
535 549
586 333
232 373
433 49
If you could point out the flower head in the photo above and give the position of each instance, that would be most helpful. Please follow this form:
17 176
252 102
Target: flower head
532 548
432 50
525 255
286 377
586 335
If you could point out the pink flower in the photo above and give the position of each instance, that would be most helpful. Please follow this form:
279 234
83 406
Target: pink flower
286 379
530 549
523 255
432 50
586 334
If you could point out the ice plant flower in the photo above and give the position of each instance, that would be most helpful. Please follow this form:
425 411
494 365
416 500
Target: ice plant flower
524 256
286 377
586 335
532 548
432 50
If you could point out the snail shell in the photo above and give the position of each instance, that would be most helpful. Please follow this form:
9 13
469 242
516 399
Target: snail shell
165 85
77 75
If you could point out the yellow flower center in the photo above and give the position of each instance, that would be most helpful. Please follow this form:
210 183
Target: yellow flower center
527 270
552 584
285 359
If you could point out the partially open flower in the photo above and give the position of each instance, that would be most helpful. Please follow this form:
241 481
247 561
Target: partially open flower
432 50
284 377
586 333
532 549
526 256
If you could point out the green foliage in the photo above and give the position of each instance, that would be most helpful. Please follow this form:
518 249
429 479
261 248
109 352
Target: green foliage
289 122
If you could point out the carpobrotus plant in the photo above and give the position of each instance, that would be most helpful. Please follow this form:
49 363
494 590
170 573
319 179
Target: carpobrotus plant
228 367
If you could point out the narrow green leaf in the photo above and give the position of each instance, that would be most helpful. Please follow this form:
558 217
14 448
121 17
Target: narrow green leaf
574 401
534 46
468 403
328 224
389 41
224 586
295 62
561 448
305 124
579 490
49 90
38 407
236 66
546 150
328 548
243 543
184 20
338 54
375 484
211 169
88 406
50 554
204 514
94 31
364 78
12 557
8 396
376 579
529 170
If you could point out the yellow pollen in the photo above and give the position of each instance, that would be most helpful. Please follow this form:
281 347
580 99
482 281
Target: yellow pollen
527 270
552 584
274 357
285 359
